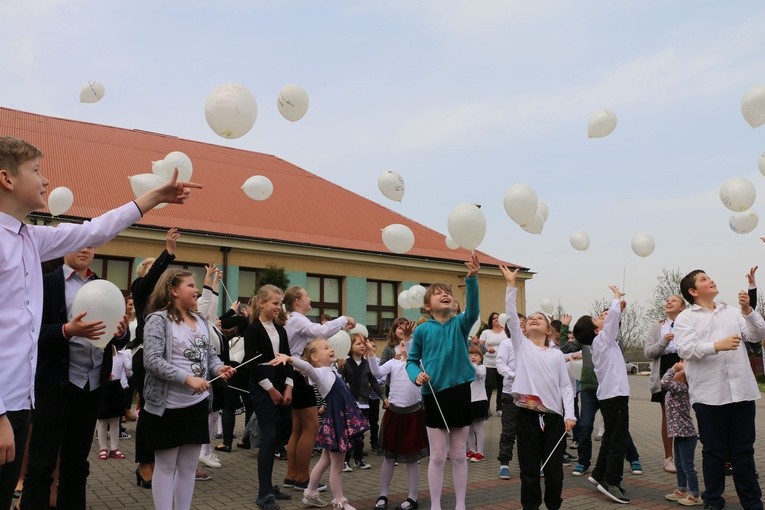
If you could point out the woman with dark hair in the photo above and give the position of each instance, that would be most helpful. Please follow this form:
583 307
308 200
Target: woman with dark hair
490 339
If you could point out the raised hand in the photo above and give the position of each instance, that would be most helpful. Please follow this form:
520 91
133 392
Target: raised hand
509 274
750 276
617 293
473 265
172 236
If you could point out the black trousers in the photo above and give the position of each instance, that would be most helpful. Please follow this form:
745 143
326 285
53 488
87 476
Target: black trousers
9 472
535 444
62 429
232 400
508 434
275 426
727 432
374 423
613 447
494 381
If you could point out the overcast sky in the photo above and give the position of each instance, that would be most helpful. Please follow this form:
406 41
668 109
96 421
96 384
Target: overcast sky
463 99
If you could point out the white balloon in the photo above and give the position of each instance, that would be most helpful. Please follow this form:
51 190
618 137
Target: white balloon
360 328
547 306
761 163
158 168
143 183
92 92
416 295
450 243
541 206
753 106
575 369
60 200
340 343
398 238
391 185
502 319
467 226
104 302
601 124
743 222
738 194
643 245
403 300
292 102
580 240
231 110
536 224
258 187
175 159
521 203
475 328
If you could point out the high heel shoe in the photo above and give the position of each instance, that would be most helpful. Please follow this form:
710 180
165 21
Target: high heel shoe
140 482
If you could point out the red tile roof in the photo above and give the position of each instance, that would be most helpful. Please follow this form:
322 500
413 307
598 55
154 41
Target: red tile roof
95 161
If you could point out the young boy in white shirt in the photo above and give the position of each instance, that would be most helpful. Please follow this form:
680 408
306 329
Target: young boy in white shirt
22 248
722 386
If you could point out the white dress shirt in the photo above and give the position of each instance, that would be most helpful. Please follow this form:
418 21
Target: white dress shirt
608 359
506 365
717 378
22 249
300 330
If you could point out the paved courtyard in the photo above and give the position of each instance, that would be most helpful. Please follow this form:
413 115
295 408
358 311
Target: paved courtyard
112 482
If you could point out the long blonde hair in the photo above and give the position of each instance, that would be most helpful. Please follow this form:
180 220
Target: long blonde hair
261 296
291 295
162 299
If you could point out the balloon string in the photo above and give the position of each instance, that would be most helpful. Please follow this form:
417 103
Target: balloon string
436 400
553 450
239 365
225 291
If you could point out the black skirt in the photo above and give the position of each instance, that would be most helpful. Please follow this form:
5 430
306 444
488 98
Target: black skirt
455 406
480 410
303 395
177 427
666 362
112 400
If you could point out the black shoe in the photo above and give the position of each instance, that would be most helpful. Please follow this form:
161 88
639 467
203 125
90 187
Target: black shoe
301 486
267 503
709 506
614 492
244 444
279 495
223 448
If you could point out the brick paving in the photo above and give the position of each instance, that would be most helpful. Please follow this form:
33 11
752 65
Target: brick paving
112 483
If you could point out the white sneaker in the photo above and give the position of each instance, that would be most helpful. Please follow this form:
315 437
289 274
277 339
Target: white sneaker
210 460
347 468
669 465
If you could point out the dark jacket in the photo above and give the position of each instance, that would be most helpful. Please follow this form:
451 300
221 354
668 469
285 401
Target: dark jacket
53 346
141 289
360 380
257 341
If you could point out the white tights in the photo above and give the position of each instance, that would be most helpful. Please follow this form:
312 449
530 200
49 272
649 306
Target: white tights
477 437
173 479
113 425
441 441
412 472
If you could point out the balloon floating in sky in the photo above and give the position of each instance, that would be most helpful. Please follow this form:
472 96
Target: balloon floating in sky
173 160
104 302
601 124
416 295
398 238
743 222
403 300
547 306
520 203
753 106
761 163
391 185
92 92
537 223
231 110
643 245
450 243
60 200
142 183
580 240
738 194
292 102
258 187
467 226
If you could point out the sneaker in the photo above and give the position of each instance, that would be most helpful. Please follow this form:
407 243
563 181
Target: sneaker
125 435
267 502
347 467
312 499
598 437
614 492
676 496
278 494
566 463
303 486
201 476
219 436
637 469
281 454
499 413
593 481
477 457
362 464
690 500
669 465
209 460
579 470
289 483
504 472
573 446
469 454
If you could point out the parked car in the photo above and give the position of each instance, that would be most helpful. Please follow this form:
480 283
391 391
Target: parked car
631 367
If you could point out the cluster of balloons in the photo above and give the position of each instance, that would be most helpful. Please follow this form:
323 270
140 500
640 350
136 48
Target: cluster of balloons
174 160
391 185
60 200
258 187
738 195
467 226
92 92
412 298
398 238
601 123
103 301
524 208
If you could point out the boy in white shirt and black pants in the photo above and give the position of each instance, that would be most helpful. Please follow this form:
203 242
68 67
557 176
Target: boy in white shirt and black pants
613 395
721 385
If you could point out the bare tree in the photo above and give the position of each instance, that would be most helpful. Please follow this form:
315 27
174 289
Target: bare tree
632 327
668 283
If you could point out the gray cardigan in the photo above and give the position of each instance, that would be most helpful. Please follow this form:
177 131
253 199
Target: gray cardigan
157 350
654 350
